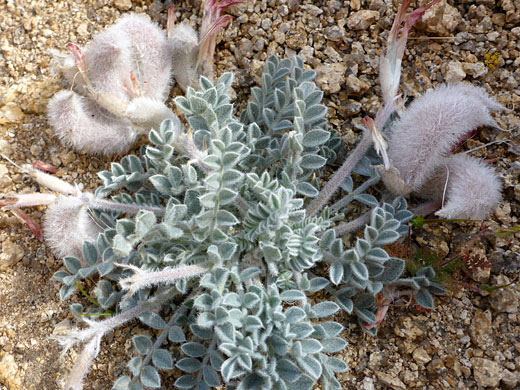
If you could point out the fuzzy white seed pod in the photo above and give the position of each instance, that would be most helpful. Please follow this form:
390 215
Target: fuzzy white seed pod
151 54
109 61
432 125
185 49
66 225
149 113
473 188
82 124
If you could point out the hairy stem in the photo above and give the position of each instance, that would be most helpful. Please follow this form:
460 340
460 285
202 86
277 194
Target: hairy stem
347 199
164 333
353 225
108 205
335 181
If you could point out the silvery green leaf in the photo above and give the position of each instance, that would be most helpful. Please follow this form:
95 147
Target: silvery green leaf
359 270
365 315
424 298
60 275
206 319
231 177
125 227
226 80
186 382
176 335
205 84
315 138
332 328
216 359
225 218
202 332
311 366
311 346
122 383
333 345
362 247
161 184
371 233
365 301
226 196
367 199
198 105
152 320
228 369
292 295
224 112
86 272
121 246
183 104
189 365
72 264
249 273
271 253
252 323
375 270
142 344
287 370
213 254
162 359
70 280
302 329
153 153
317 284
90 253
327 238
211 376
307 189
226 332
245 361
76 308
337 248
232 299
335 364
283 125
303 383
117 169
135 365
135 386
315 113
325 309
280 345
66 291
364 168
254 381
436 288
257 94
253 111
294 314
105 268
393 269
193 349
210 96
336 273
227 250
377 254
204 301
391 224
312 161
427 272
387 237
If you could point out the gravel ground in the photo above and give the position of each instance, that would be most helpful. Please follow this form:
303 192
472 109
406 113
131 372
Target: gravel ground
470 341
